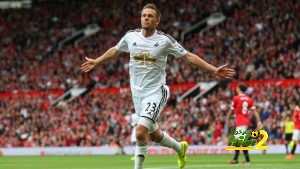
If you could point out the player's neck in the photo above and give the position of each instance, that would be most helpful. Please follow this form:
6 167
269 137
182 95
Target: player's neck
148 32
241 94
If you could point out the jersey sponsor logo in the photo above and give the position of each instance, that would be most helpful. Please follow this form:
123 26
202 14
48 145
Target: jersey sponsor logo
144 57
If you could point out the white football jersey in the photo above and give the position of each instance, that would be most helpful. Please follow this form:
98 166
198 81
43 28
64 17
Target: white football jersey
148 58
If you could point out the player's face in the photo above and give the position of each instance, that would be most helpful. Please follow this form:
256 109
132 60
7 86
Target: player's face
149 19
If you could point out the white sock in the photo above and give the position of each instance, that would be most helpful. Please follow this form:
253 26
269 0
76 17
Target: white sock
140 153
170 142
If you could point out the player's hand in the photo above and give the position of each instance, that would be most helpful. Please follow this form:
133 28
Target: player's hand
259 125
88 65
225 72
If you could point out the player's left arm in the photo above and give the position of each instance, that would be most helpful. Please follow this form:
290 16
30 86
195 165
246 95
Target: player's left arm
258 120
174 48
222 71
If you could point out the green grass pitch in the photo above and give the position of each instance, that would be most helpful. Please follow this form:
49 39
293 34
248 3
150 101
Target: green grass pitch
152 162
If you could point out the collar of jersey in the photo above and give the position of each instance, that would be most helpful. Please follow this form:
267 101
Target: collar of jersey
149 37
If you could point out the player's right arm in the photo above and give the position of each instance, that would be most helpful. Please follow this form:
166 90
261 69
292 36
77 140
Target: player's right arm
256 114
90 63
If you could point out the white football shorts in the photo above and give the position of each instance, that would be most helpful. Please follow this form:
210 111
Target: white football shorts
149 107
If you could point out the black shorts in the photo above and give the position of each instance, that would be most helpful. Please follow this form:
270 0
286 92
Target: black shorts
288 136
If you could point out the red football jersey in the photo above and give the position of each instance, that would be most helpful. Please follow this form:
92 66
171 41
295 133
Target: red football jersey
296 117
241 106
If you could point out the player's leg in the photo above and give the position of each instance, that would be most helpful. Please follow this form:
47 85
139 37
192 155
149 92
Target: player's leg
149 109
294 147
141 134
142 138
288 139
167 141
235 157
246 154
241 129
160 99
158 136
296 138
286 145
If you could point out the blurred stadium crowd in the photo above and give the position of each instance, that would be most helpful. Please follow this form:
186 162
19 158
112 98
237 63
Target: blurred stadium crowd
260 40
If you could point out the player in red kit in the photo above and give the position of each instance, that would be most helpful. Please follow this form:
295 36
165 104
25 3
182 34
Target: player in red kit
242 107
296 132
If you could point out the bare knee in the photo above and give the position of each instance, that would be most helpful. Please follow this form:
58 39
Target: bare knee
141 134
156 136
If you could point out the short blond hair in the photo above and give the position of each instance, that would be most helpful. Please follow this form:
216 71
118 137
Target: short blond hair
153 6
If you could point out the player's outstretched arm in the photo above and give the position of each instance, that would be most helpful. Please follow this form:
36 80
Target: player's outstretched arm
90 63
221 71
